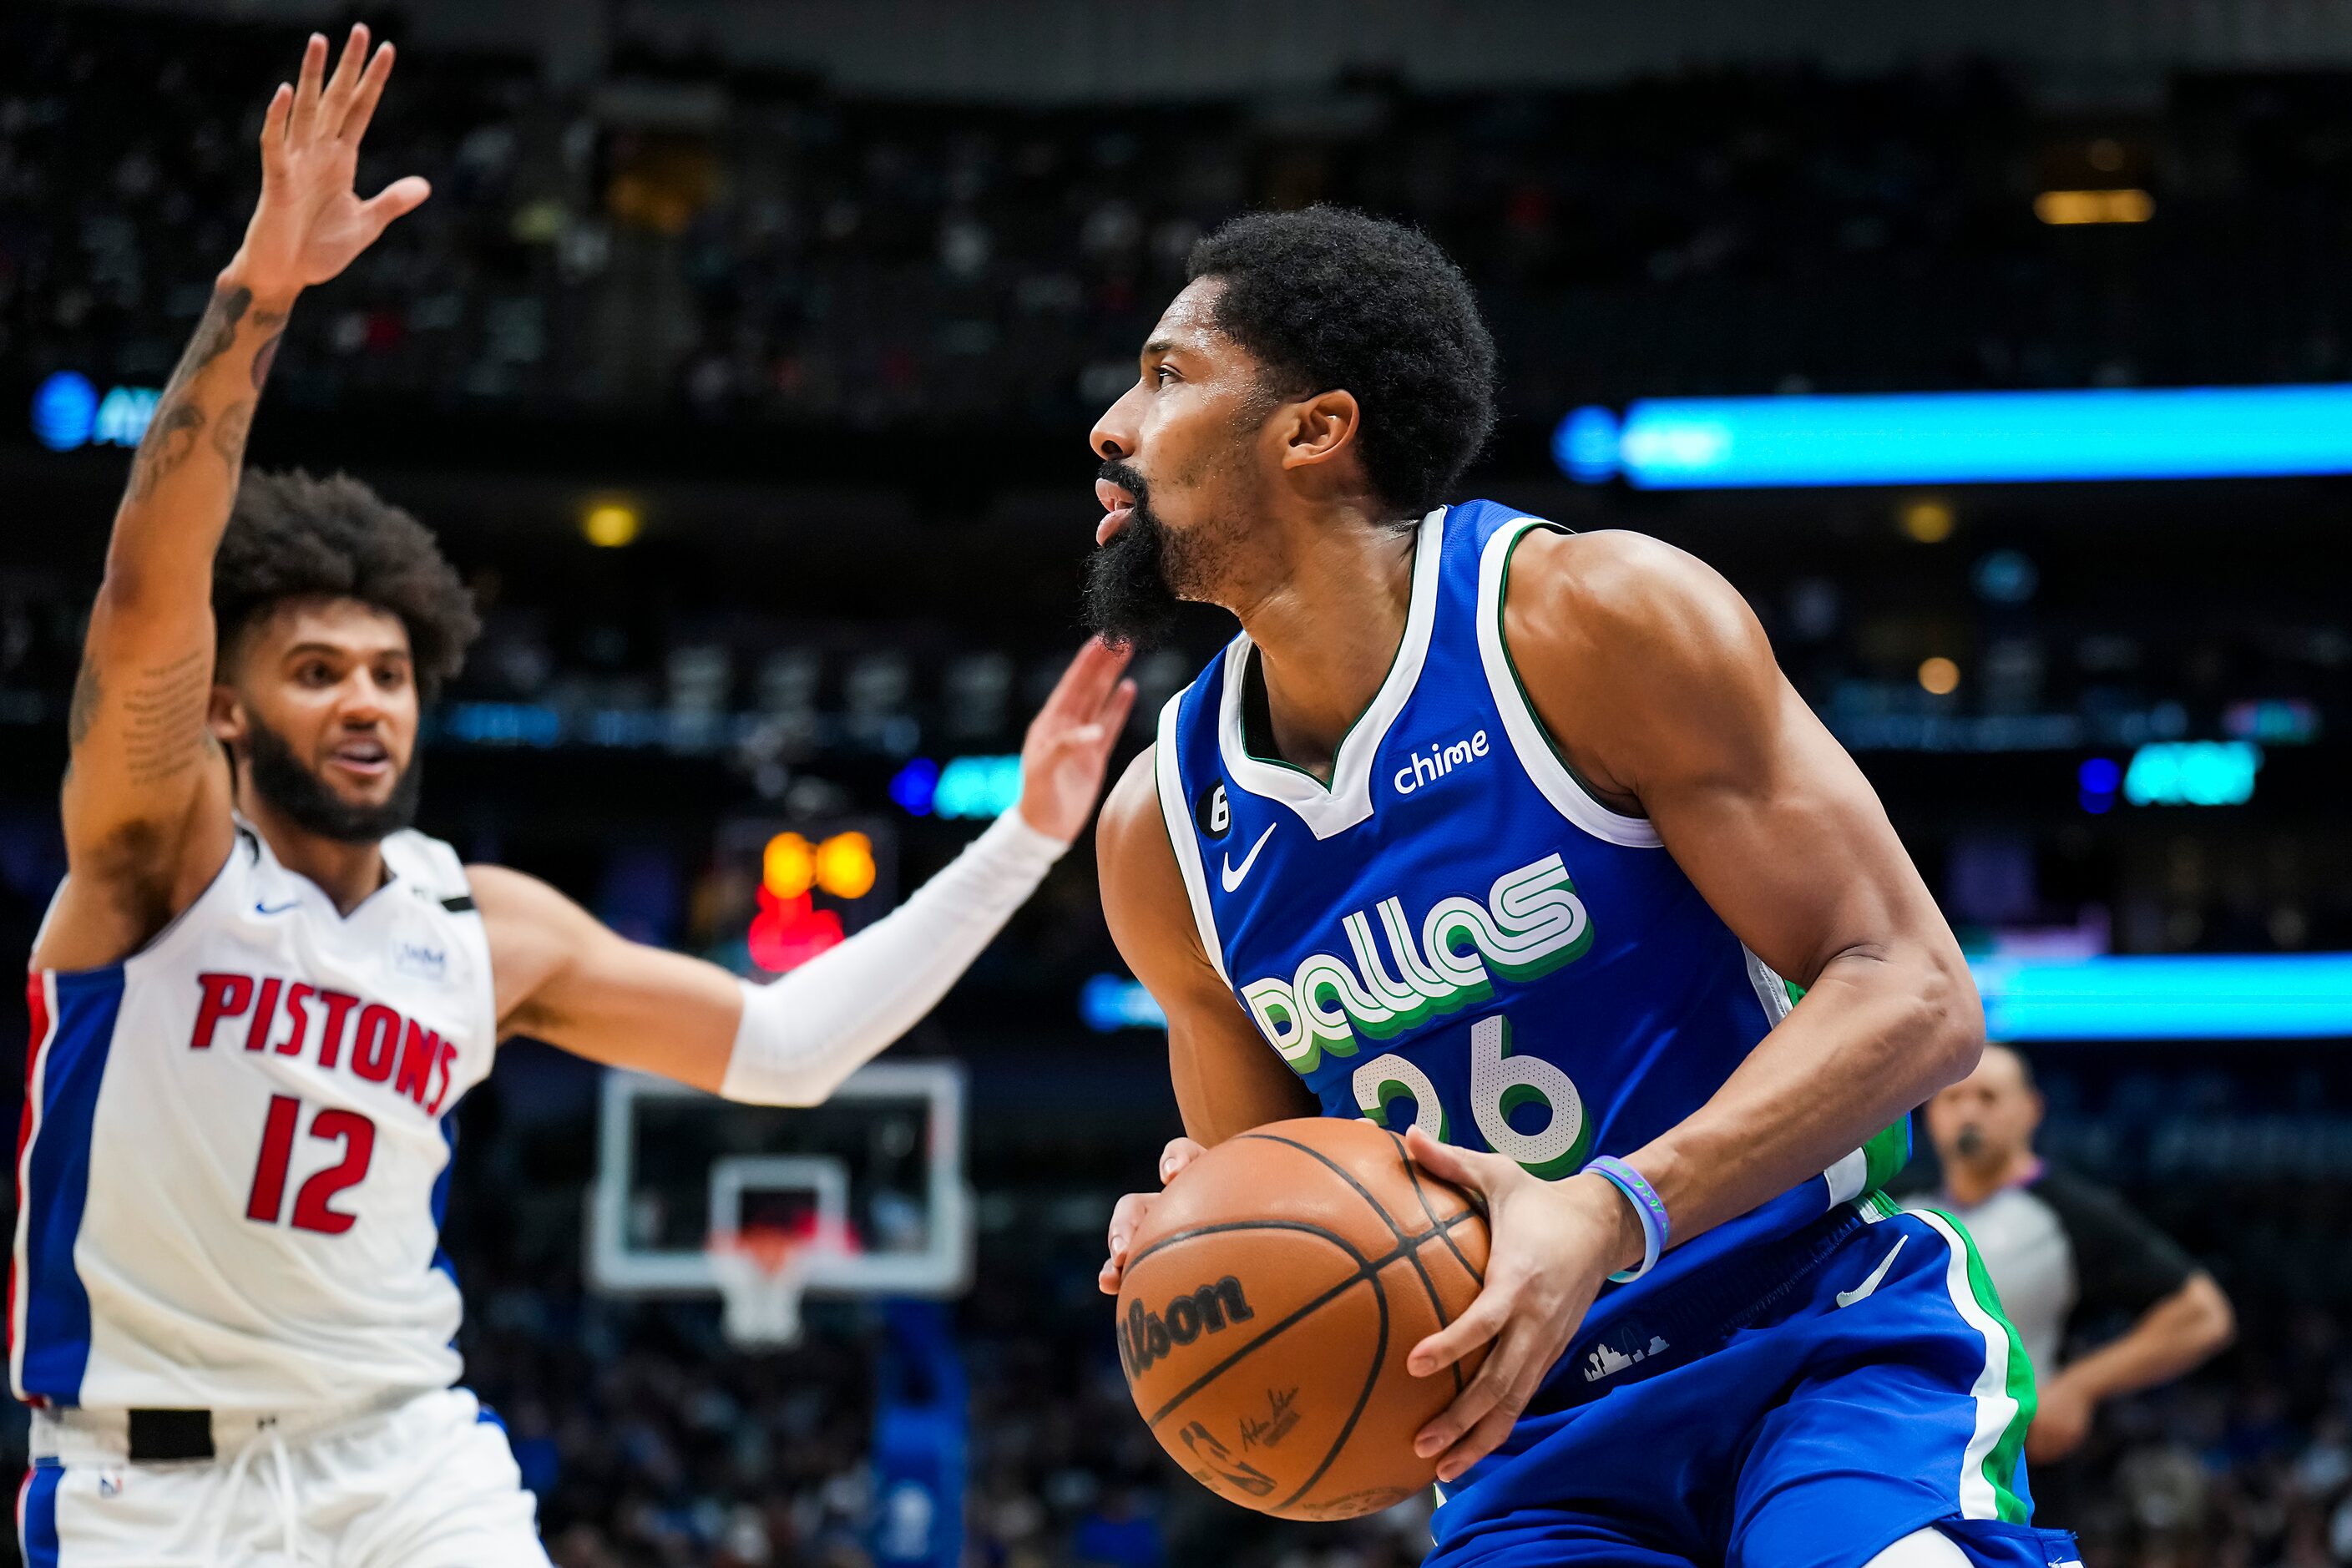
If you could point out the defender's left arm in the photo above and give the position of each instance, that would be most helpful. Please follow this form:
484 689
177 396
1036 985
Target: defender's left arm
1659 687
564 978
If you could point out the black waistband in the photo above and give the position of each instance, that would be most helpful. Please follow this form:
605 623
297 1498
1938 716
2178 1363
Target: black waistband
161 1434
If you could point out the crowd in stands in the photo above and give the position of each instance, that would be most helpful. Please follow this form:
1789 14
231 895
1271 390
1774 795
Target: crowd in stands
689 238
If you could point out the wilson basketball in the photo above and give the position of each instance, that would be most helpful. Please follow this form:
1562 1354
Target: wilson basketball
1270 1300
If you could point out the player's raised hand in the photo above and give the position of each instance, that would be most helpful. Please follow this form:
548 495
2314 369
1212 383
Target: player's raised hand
1069 742
1127 1216
1554 1244
310 222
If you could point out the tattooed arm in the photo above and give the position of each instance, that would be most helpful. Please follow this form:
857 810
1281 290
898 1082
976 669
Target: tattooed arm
146 801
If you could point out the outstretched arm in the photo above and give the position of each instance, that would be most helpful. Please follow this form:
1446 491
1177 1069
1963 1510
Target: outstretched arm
1655 680
146 821
565 978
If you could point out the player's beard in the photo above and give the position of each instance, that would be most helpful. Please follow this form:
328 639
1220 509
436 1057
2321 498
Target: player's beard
280 778
1137 581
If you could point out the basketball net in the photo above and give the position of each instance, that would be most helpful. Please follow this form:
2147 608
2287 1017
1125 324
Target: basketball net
760 1271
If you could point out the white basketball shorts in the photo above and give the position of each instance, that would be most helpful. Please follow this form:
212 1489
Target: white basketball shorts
418 1480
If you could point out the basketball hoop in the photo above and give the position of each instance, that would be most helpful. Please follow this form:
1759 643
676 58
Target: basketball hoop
761 1272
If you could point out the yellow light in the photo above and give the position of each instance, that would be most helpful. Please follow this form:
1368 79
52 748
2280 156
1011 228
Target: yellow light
789 866
2094 206
610 525
1929 521
1939 675
844 865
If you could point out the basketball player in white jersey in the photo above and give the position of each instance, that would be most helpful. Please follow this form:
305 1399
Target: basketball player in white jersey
260 994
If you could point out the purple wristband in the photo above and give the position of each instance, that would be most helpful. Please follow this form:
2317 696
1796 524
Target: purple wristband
1648 1207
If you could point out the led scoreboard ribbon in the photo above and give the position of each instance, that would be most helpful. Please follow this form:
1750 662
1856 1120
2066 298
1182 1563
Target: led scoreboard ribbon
1963 438
2198 996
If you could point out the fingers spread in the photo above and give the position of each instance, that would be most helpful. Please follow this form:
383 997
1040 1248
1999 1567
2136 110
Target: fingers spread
1483 1320
273 127
400 197
1490 1178
1477 1443
306 88
1087 681
1112 715
335 102
1495 1389
371 92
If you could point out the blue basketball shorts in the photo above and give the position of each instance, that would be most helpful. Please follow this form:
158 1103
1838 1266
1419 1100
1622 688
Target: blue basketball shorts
1804 1404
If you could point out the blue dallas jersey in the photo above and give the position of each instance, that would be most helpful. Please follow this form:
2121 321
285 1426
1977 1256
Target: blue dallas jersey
1456 932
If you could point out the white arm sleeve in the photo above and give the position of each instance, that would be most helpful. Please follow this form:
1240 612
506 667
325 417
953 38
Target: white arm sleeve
805 1033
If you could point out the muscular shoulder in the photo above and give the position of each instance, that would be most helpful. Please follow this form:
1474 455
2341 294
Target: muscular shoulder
1144 900
1625 600
1131 849
1629 647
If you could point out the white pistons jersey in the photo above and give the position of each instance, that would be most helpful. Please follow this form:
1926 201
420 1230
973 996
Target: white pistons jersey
237 1143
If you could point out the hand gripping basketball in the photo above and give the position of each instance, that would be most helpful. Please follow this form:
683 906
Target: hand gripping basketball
1269 1300
1554 1244
1127 1216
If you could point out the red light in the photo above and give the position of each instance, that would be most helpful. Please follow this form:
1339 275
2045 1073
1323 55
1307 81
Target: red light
788 933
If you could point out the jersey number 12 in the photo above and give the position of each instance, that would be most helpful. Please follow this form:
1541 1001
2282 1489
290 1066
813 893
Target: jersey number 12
314 1209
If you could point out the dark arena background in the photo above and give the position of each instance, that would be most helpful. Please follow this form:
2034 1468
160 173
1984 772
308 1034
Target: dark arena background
744 361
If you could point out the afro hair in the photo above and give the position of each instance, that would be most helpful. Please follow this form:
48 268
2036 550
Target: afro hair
1332 300
291 536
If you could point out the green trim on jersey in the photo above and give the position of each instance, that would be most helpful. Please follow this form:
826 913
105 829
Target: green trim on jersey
2001 1462
1502 641
1888 1151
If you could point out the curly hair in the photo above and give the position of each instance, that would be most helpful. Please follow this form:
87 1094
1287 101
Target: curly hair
290 535
1330 299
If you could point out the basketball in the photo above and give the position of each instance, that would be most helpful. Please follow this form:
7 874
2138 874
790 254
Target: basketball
1269 1303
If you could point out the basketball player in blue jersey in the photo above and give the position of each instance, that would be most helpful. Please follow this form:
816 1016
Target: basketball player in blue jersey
1519 841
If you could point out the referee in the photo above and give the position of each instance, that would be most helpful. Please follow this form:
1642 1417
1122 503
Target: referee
2064 1252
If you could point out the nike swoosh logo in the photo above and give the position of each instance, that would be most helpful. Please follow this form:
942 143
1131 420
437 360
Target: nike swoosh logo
1848 1298
1234 874
266 909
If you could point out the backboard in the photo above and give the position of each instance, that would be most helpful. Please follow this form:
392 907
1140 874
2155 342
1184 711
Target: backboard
874 1178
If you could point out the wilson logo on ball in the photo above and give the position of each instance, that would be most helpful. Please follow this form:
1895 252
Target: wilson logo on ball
1148 1336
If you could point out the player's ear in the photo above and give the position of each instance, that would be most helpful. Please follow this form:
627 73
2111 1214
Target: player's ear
225 715
1320 428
